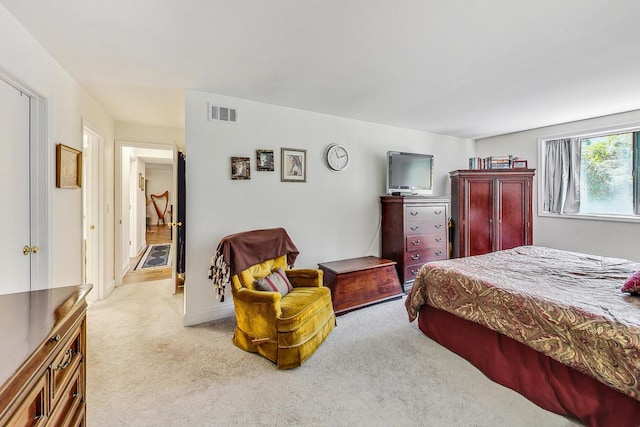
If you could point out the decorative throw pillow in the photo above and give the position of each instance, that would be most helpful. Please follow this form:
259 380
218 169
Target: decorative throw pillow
632 284
275 282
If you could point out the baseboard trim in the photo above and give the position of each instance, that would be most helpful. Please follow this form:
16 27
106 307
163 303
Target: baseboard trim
223 311
109 288
123 269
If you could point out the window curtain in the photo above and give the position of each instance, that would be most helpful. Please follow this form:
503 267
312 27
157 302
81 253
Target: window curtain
562 175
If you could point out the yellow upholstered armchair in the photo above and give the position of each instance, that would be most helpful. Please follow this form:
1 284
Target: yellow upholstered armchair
289 320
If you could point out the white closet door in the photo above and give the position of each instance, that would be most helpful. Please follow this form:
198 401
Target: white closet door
14 189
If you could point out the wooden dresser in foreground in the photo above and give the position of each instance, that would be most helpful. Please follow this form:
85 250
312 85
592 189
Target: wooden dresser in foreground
42 357
414 232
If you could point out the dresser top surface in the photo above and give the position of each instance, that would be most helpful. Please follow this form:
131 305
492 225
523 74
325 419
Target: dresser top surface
414 199
481 172
27 319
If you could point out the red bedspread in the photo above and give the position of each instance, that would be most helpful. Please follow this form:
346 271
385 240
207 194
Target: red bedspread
563 304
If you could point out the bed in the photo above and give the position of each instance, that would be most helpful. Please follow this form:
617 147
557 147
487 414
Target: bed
552 325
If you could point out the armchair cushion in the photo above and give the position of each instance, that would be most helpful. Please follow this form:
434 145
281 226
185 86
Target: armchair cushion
274 282
307 278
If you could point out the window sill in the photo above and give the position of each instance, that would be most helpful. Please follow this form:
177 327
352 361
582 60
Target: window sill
592 217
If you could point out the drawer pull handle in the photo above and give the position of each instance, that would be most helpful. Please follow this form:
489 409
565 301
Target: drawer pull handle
438 253
415 242
55 339
415 257
64 364
438 239
437 212
438 226
413 213
414 272
414 227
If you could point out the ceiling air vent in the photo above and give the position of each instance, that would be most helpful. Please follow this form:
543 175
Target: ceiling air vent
223 114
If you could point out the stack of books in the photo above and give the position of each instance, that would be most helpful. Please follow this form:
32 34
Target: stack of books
493 162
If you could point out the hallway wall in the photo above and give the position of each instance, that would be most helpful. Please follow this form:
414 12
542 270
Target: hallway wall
68 105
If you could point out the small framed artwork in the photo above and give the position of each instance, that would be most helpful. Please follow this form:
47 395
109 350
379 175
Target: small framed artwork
293 165
240 168
519 164
264 159
68 167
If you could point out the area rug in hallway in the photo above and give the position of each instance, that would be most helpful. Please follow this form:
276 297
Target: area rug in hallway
155 256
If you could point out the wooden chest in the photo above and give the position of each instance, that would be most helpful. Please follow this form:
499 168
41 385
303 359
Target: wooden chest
359 282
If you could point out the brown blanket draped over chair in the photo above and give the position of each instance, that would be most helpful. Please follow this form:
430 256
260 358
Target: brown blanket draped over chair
238 251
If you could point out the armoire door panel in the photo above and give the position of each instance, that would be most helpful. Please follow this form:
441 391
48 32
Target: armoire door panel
512 228
479 215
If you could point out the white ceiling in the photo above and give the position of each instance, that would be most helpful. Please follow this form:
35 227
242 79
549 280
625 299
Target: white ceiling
457 67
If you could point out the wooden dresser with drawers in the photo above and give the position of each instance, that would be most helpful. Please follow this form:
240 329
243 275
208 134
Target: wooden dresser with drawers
414 232
43 351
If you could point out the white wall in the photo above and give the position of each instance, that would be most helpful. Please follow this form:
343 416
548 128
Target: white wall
140 207
152 134
125 212
68 105
606 238
331 216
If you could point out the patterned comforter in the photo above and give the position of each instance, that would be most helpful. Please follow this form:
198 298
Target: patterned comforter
566 305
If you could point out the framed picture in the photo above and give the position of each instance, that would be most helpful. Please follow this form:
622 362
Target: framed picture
68 167
240 168
264 159
519 164
293 165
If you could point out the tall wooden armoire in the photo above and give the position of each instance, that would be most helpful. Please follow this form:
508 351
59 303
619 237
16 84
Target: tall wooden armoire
491 210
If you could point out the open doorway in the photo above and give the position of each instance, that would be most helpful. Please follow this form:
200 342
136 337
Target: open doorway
144 247
153 261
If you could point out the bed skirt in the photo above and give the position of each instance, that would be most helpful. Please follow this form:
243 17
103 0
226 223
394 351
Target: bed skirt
544 381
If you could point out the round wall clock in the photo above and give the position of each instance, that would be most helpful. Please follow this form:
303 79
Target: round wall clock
337 157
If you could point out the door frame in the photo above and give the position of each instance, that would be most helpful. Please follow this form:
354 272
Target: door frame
40 164
174 221
95 255
121 219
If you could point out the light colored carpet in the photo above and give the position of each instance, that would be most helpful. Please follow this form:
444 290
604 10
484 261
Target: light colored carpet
375 369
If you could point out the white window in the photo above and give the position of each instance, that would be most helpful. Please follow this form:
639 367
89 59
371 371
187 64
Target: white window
591 175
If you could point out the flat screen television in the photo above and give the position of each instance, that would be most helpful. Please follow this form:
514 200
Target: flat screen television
409 174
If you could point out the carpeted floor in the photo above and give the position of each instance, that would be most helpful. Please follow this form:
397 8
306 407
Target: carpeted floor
375 369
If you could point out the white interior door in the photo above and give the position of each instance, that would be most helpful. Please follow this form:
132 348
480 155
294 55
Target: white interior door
175 223
133 192
91 226
15 189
